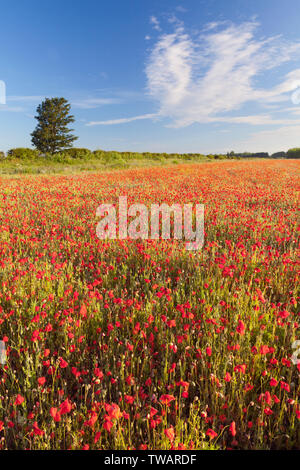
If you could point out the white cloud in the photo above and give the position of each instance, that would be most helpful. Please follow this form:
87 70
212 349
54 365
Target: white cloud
254 120
13 109
85 103
25 98
155 23
273 140
212 77
181 9
122 120
90 103
203 79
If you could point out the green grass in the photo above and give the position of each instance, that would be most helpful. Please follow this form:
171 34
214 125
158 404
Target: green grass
17 167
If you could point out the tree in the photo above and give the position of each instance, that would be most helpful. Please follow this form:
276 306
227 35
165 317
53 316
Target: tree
293 153
279 155
51 133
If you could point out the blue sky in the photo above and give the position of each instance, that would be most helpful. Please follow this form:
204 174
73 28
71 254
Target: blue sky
156 75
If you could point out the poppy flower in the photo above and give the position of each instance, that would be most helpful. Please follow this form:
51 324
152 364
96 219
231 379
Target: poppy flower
211 433
62 363
232 428
285 386
41 380
56 415
19 400
65 407
37 431
227 377
167 399
170 433
273 382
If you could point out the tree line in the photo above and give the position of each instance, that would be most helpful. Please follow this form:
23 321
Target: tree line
53 138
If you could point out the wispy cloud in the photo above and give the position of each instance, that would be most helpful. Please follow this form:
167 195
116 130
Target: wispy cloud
90 103
122 120
19 103
24 98
155 23
12 109
181 9
281 138
212 77
204 79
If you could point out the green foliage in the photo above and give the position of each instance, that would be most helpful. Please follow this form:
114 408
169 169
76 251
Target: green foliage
85 159
232 154
52 134
80 153
293 153
98 154
21 153
279 155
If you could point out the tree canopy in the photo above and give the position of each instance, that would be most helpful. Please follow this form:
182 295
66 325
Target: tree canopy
52 133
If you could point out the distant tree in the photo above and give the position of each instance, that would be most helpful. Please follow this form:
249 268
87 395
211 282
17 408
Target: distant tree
260 155
278 155
293 153
51 133
23 153
79 153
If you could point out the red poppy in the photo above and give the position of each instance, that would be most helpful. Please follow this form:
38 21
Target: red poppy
55 414
170 433
273 382
211 433
232 428
19 400
167 399
65 407
41 380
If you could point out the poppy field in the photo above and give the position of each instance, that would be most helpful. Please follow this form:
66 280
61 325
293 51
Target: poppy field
140 344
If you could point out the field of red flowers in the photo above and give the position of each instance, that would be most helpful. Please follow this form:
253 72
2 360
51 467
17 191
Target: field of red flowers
123 344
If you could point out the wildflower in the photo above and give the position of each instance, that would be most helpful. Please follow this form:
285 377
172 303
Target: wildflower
37 431
227 377
41 380
285 386
65 407
241 328
232 428
19 400
93 418
55 414
108 424
62 363
170 433
167 399
211 433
